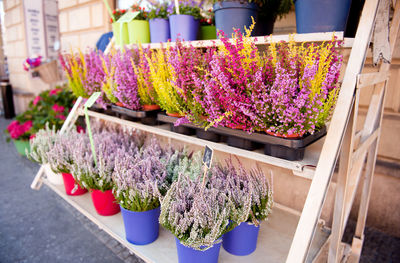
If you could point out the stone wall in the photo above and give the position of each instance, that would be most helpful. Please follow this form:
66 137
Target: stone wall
82 22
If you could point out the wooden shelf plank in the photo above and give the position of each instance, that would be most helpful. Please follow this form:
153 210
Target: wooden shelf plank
273 244
260 40
310 158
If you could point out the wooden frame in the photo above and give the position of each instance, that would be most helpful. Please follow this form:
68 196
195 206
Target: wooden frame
354 147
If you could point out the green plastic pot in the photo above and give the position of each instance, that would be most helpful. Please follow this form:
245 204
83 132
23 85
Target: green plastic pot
120 32
139 32
207 32
21 145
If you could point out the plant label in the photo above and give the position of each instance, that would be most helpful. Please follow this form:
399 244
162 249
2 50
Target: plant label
128 17
207 157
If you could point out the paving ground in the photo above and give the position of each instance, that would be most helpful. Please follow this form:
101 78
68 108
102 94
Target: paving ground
38 226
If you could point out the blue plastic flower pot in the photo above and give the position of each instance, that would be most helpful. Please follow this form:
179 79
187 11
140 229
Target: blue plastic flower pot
141 228
242 240
229 15
159 30
321 15
190 255
184 27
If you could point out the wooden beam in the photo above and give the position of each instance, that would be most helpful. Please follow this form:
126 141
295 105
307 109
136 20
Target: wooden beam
363 148
316 195
342 187
370 79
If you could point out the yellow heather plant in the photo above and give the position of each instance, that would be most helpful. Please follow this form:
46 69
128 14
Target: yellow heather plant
109 86
75 67
161 76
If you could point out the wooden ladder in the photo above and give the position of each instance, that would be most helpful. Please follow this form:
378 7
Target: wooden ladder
353 149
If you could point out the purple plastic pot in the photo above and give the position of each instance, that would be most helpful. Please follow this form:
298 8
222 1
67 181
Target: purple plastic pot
141 228
242 240
184 27
159 30
190 255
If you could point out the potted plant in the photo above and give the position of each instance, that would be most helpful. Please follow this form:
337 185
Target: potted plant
207 26
120 30
268 12
51 106
96 174
60 159
230 15
147 94
85 74
160 76
20 132
140 179
159 23
138 28
203 216
40 145
252 202
185 24
321 16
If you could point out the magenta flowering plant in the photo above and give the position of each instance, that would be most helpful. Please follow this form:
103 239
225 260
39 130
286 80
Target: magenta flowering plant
32 62
49 107
235 72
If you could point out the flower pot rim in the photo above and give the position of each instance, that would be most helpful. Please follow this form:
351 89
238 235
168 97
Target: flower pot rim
216 242
233 4
130 211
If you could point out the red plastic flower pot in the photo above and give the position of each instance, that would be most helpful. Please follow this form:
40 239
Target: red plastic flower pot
120 104
174 114
69 184
105 202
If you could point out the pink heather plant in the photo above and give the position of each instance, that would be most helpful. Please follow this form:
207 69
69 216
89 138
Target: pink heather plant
187 65
126 90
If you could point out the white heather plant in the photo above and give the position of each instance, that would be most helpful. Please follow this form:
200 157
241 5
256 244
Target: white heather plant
198 215
107 144
41 144
60 154
250 192
140 178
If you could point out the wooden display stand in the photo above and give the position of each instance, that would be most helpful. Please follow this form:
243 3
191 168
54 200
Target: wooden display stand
289 235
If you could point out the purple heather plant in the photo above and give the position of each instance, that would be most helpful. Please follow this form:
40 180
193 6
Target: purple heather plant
126 90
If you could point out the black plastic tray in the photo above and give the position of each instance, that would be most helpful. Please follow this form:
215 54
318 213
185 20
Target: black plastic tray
286 148
146 117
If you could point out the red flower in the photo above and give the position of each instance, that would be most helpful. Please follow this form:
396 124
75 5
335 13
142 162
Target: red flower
114 12
61 117
80 129
33 136
12 126
58 108
54 92
27 125
111 20
36 100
